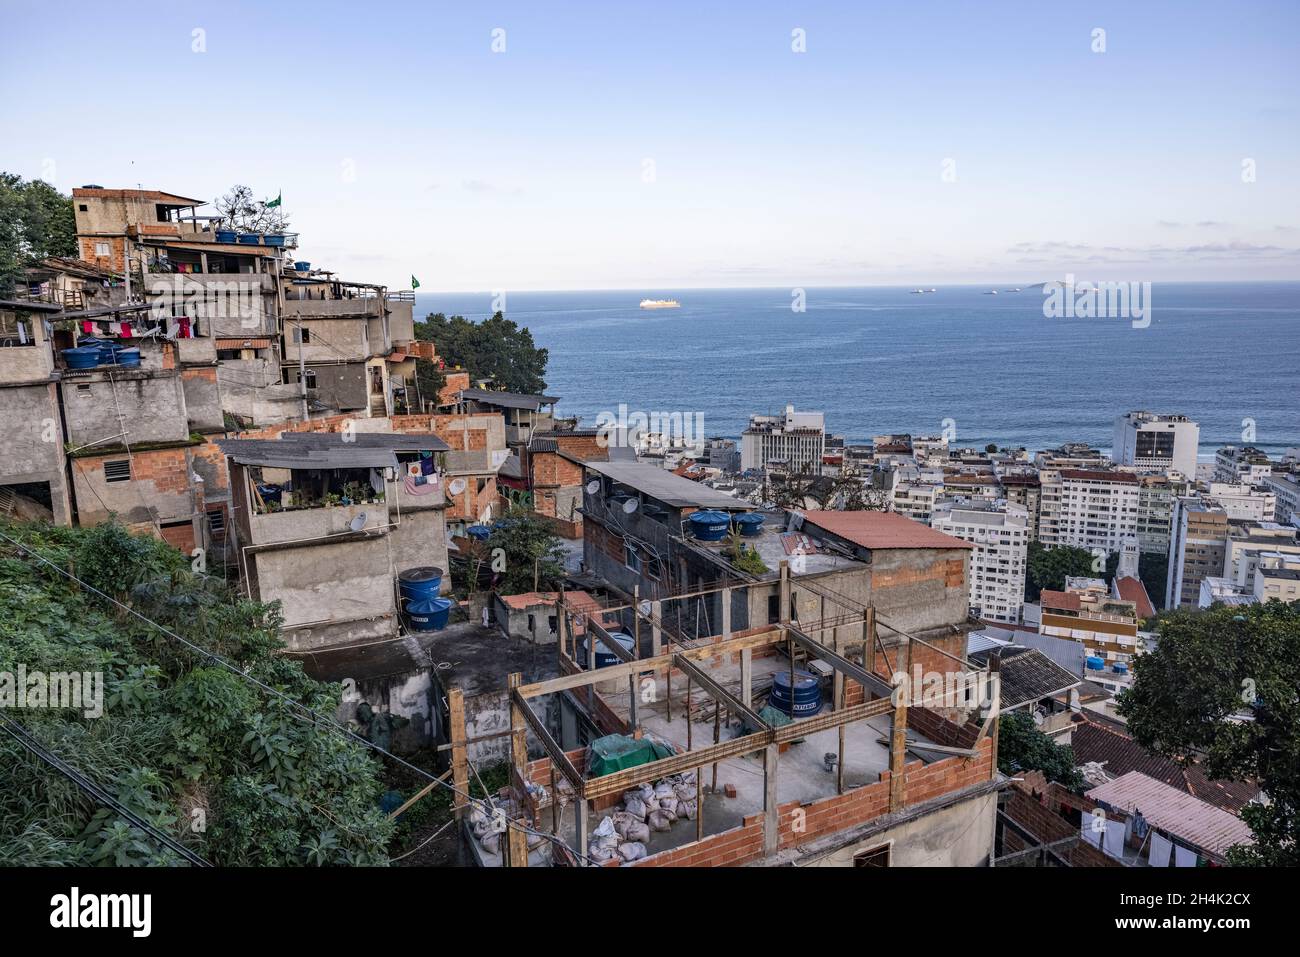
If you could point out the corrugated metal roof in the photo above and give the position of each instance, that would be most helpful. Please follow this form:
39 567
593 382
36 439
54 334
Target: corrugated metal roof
672 490
273 453
1175 812
508 400
872 529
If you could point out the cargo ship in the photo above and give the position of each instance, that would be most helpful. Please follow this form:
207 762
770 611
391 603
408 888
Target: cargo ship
660 304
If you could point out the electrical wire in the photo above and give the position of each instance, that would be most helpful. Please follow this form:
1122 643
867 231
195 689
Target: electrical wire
28 741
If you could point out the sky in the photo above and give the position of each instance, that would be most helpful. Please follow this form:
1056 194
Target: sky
659 146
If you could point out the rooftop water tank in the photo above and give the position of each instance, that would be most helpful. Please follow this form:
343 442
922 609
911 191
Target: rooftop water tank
479 532
750 524
127 358
605 657
82 357
710 526
416 584
428 614
1120 668
807 694
1095 663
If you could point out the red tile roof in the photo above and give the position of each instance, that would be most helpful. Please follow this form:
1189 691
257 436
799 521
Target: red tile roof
872 529
1132 589
1060 599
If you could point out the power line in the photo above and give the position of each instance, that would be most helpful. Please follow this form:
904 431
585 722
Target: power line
297 706
25 738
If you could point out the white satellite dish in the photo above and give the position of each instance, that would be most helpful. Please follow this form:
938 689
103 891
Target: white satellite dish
631 505
457 486
593 486
645 608
358 523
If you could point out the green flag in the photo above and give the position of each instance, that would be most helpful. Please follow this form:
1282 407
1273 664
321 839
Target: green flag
415 283
275 202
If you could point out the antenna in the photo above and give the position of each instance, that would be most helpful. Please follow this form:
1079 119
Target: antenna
358 523
593 486
457 486
630 506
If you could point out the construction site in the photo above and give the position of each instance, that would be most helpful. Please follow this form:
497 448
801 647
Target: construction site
788 744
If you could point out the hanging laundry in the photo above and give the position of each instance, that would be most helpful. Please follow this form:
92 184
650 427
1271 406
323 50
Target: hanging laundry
1160 850
126 331
88 327
427 466
1184 857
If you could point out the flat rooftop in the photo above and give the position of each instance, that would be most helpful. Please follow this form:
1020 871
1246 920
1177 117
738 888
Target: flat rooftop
664 486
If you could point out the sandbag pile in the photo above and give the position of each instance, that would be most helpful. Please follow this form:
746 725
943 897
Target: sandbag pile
650 807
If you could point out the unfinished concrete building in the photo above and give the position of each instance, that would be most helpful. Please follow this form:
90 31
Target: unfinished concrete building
872 776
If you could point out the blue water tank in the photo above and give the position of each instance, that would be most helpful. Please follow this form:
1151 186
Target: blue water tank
418 584
225 235
480 532
710 526
428 614
127 358
1096 664
605 657
807 694
274 239
1120 668
250 239
82 357
302 266
750 524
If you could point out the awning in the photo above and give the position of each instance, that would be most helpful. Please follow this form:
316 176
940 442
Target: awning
261 342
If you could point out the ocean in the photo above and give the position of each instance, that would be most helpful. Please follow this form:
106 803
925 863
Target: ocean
882 359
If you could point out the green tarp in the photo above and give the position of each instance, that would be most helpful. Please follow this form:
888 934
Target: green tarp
617 752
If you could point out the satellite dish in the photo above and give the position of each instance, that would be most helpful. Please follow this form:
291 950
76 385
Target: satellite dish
645 608
593 486
457 486
631 505
358 523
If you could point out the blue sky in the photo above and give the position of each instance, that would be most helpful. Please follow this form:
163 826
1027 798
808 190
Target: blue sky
403 144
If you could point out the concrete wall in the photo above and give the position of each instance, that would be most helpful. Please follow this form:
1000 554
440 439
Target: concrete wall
31 443
958 836
338 385
151 406
159 489
330 592
420 540
202 399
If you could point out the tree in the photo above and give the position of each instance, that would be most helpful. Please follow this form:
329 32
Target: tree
496 349
249 215
1221 688
1153 569
1022 747
530 557
36 221
991 448
1049 568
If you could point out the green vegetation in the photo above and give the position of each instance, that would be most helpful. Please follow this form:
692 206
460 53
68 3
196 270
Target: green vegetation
247 214
36 221
530 557
746 558
1050 567
226 768
1022 747
496 349
1223 685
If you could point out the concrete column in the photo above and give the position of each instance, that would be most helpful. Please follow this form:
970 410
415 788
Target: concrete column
771 830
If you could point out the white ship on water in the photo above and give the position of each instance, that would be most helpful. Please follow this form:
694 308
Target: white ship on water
660 304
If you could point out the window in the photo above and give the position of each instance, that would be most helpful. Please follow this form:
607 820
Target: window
217 523
301 335
310 378
101 249
82 207
117 471
630 558
872 857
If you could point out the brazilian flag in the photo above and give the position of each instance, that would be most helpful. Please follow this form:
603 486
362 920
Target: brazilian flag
275 202
415 283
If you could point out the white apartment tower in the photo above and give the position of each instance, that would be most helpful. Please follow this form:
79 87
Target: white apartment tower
1151 442
1088 508
795 439
1000 533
